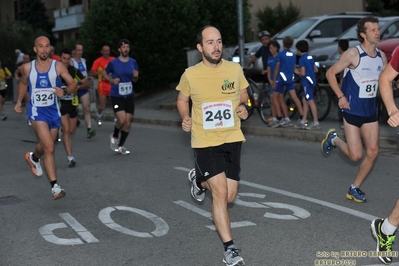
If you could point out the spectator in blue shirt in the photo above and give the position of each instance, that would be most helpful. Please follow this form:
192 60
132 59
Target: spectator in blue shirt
307 69
285 67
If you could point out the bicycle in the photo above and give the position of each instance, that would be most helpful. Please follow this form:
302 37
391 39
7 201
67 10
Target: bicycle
259 99
321 98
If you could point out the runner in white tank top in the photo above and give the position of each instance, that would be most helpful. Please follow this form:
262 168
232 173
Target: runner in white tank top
357 99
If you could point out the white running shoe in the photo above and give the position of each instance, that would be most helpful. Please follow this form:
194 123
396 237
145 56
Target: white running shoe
35 166
197 193
122 150
57 192
114 142
232 257
71 161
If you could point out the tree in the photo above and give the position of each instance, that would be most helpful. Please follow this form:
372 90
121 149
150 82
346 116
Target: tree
33 12
158 30
16 36
276 19
384 8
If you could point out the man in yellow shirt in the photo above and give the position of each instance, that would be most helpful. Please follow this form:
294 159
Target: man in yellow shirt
4 74
218 92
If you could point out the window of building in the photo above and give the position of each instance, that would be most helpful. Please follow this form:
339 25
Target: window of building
75 2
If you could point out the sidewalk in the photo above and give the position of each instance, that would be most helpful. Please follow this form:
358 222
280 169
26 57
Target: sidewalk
160 109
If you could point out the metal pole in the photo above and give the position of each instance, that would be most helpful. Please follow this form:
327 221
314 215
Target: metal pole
240 31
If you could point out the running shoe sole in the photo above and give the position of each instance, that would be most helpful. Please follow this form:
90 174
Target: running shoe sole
189 175
60 195
351 197
32 166
239 263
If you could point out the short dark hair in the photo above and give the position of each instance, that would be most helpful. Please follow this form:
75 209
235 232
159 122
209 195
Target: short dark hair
288 41
343 44
274 43
122 42
199 34
105 45
302 46
74 47
65 51
361 26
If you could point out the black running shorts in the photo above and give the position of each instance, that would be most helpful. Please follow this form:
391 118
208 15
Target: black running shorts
3 93
123 104
358 121
211 161
67 108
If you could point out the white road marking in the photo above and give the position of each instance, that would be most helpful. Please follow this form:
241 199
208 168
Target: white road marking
298 212
336 207
47 232
313 200
194 209
162 227
209 215
83 232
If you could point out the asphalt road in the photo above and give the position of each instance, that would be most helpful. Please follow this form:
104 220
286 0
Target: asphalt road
137 209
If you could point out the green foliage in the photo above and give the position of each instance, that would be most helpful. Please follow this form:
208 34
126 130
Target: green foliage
32 22
384 8
276 19
34 13
159 32
17 36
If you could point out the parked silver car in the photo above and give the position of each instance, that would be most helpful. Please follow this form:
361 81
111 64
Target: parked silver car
318 31
328 54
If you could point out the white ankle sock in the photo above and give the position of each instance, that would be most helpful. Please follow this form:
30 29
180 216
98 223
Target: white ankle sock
387 228
332 141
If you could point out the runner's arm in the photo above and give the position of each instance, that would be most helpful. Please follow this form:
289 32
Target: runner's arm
71 84
184 111
22 87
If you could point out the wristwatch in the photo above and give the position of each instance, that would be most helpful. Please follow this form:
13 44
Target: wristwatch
65 89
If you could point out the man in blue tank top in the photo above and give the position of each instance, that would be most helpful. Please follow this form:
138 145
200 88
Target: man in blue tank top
362 66
122 72
42 78
84 93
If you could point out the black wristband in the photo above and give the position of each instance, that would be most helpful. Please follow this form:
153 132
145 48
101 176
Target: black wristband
65 89
245 104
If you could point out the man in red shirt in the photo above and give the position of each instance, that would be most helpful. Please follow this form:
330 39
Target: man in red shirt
104 87
52 55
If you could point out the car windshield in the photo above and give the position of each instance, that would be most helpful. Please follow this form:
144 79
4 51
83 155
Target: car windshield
394 35
351 33
297 29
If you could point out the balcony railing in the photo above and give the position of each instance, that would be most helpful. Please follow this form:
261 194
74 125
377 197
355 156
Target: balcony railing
68 18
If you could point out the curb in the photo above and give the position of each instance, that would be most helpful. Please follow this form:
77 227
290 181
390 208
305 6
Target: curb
385 143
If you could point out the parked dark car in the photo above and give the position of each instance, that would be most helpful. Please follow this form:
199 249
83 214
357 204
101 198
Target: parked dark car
317 30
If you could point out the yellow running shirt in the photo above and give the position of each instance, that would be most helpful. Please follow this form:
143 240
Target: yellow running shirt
215 93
